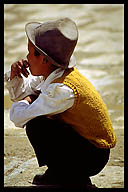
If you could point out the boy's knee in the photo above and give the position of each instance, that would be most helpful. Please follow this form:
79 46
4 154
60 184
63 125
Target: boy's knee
36 121
33 124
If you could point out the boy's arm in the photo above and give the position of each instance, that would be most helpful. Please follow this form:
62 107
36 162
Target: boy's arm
56 99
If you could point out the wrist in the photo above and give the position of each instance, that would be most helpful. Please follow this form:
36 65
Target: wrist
30 98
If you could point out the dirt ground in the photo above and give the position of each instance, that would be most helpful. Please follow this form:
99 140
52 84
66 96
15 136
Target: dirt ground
20 164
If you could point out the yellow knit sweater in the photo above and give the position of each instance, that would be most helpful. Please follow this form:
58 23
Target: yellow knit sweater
89 115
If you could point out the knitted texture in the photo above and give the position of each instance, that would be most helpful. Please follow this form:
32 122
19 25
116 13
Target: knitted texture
89 115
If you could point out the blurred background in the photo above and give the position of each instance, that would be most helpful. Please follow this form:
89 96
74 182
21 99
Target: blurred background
99 52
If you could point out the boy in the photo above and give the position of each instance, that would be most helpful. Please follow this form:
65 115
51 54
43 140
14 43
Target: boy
66 120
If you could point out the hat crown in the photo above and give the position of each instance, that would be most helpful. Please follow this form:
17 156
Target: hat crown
66 26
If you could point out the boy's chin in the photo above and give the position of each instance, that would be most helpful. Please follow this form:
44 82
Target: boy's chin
35 74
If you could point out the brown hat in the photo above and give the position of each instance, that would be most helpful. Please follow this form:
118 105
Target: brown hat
55 39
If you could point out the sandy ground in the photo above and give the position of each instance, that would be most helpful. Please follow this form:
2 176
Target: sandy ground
20 164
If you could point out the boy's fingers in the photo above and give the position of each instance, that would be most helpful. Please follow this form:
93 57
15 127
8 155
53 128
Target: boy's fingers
22 68
19 68
25 63
19 75
17 72
25 71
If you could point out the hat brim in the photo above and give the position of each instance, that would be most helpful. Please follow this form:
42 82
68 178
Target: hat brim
30 32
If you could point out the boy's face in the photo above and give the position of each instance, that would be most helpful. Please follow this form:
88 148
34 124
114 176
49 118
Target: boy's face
35 62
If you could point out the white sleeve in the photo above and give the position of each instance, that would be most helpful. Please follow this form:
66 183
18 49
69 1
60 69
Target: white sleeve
21 87
56 99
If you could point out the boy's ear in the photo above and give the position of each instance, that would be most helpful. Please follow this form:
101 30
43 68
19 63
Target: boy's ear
43 59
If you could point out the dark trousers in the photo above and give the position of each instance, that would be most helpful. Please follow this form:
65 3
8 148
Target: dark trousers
63 150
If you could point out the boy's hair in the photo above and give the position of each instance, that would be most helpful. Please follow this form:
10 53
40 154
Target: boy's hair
36 53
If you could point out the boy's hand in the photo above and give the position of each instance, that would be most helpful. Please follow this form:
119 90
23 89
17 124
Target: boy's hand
19 68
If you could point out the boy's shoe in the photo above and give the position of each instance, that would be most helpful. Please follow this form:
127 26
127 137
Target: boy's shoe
43 179
47 180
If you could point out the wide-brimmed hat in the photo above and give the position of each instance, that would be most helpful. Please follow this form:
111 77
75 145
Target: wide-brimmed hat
55 39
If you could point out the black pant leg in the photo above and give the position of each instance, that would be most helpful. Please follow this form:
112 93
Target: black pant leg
59 147
35 130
